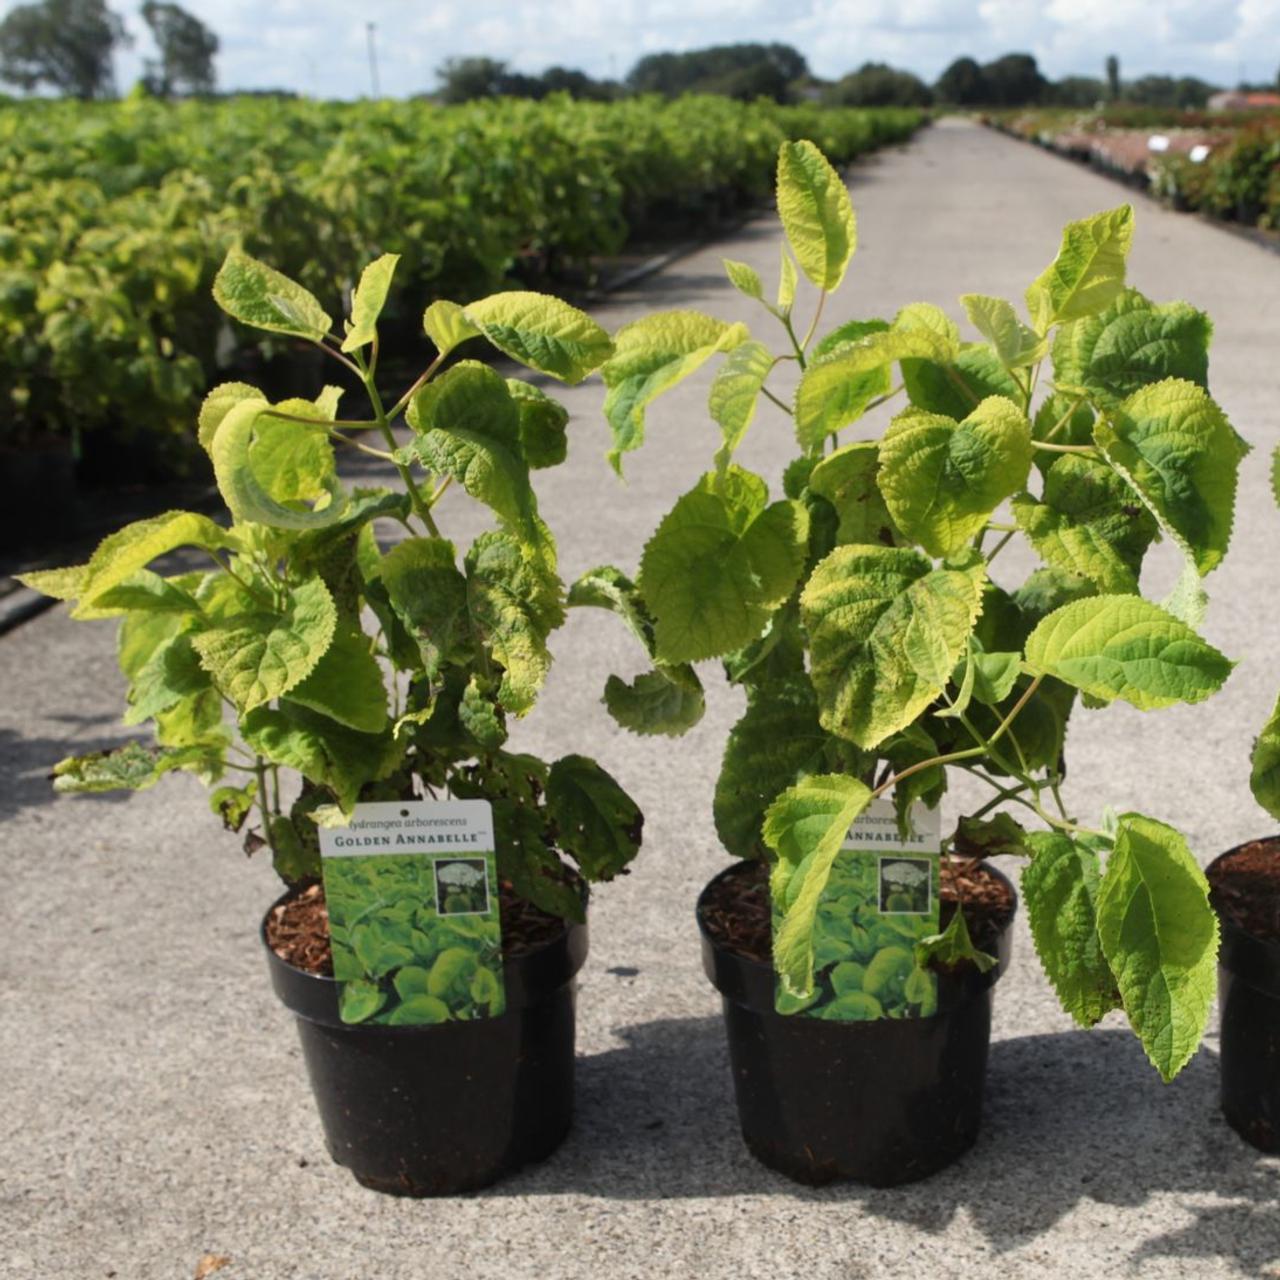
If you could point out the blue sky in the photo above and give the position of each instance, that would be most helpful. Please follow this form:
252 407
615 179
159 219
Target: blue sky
318 46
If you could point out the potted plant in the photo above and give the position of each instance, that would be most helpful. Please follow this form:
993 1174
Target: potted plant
1245 892
297 667
879 656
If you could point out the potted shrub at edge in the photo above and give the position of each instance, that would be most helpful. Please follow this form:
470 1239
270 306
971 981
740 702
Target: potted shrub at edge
353 674
858 614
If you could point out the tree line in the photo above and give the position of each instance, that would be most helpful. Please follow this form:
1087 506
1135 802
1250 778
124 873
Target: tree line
67 47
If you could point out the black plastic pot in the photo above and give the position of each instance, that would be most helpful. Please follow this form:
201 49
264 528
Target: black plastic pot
881 1102
1249 999
435 1110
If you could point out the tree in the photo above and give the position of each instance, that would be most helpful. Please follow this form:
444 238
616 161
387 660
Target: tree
735 70
1113 77
1185 92
64 44
1014 80
875 84
1077 91
186 47
464 79
962 84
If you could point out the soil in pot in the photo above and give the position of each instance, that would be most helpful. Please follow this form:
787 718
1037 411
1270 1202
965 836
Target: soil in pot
1245 891
436 1110
880 1102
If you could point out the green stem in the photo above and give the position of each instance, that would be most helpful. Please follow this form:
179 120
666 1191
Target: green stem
795 343
1065 448
363 448
328 423
1062 421
782 404
225 566
813 324
341 359
260 772
995 551
403 403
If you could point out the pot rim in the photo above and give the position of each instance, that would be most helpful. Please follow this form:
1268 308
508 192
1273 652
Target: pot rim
1247 956
719 962
528 978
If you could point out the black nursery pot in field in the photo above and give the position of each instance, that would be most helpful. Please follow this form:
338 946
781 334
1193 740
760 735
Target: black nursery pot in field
1245 891
435 1110
880 1102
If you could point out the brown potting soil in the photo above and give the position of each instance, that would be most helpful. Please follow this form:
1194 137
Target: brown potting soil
737 909
298 929
1245 888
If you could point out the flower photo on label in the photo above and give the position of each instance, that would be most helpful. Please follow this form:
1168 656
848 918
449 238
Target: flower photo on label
905 885
462 887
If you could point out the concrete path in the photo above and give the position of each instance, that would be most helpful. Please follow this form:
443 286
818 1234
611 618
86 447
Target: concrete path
155 1103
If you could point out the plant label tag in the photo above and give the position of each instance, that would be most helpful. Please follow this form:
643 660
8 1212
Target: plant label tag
412 891
881 898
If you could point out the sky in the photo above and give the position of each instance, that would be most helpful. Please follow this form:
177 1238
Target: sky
319 46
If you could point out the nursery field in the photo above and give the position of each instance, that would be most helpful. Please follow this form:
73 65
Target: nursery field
158 1108
114 218
1224 164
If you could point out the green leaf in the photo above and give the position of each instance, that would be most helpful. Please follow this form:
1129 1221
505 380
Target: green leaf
1060 890
816 213
119 556
290 461
1089 523
787 281
150 593
255 657
844 334
836 388
256 295
1175 446
1046 590
997 321
248 499
990 838
605 587
719 564
217 404
848 479
776 743
469 428
941 480
1131 344
514 603
1088 273
346 684
951 948
597 823
233 804
292 859
1264 775
1126 647
650 356
60 584
446 324
668 701
369 299
528 861
806 826
429 595
743 278
994 675
735 392
322 750
480 718
131 767
173 672
886 630
542 425
958 384
543 333
1160 937
358 1001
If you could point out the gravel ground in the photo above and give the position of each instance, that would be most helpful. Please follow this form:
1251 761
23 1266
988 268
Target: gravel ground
157 1106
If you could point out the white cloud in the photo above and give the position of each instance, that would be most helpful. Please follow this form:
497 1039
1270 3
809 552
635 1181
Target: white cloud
318 46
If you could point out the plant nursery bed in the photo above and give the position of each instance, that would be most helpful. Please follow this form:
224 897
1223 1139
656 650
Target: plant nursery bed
737 909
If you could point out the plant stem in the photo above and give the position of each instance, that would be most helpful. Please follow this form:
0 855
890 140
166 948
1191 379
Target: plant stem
995 551
1065 448
400 405
813 324
791 333
319 422
225 566
260 771
341 359
782 404
1062 421
364 448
